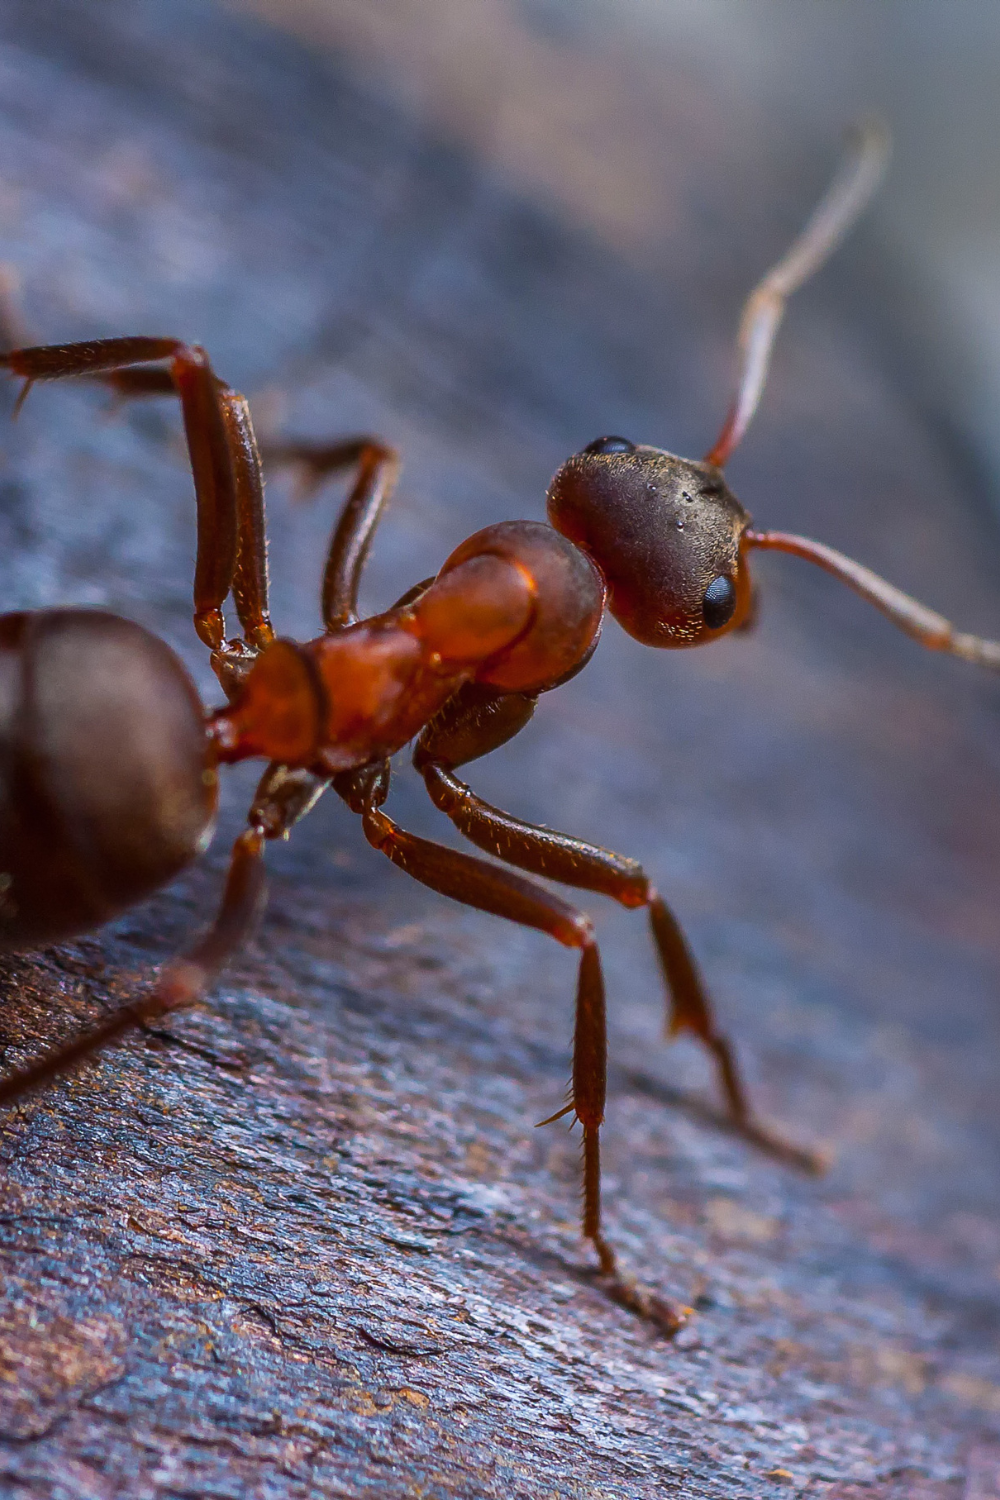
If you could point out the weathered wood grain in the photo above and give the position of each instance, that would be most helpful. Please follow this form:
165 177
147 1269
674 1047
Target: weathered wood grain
305 1241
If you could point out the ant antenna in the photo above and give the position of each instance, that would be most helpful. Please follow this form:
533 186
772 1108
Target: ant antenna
858 177
924 625
855 182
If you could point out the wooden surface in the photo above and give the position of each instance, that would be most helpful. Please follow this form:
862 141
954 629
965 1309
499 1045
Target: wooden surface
305 1241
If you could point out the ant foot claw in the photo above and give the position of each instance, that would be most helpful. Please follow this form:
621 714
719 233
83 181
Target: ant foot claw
668 1316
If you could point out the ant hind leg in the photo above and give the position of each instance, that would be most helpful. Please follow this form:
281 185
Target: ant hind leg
283 796
182 982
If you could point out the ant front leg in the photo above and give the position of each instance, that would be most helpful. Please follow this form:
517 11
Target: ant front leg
487 887
225 465
476 721
377 468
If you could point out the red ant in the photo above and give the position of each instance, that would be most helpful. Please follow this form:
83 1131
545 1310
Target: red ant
108 760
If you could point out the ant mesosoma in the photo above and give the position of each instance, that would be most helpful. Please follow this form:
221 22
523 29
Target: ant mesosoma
108 760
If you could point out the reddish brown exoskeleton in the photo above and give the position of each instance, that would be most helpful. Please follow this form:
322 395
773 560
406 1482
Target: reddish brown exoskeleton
108 761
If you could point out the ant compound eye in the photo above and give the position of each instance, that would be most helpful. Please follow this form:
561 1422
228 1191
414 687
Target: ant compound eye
719 602
610 445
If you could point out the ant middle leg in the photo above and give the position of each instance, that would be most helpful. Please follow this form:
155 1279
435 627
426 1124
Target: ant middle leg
475 722
490 888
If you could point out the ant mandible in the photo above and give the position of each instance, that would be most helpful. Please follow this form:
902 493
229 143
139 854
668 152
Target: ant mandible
108 760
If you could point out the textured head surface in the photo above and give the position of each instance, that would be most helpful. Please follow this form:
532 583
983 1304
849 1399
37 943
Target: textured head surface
664 531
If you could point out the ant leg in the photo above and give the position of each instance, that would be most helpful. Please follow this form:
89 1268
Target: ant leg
283 797
233 660
475 722
182 983
131 376
377 470
489 888
857 179
224 463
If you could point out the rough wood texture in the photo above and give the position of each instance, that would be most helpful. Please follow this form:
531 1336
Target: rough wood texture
305 1241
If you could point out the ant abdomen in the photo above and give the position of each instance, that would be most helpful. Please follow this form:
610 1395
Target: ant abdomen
107 789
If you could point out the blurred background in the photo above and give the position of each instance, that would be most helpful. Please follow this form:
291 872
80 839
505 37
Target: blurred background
491 232
592 106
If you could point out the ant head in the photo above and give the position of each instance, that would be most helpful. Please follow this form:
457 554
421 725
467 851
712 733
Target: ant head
666 533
